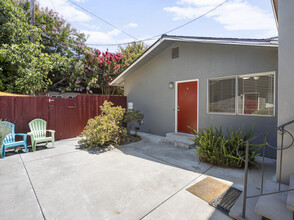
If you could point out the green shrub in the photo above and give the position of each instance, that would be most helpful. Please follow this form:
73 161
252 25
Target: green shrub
218 149
106 128
133 116
4 130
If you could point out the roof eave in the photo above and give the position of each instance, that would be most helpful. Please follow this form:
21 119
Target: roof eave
275 10
120 79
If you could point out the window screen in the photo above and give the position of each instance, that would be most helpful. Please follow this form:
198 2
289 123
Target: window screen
222 95
256 94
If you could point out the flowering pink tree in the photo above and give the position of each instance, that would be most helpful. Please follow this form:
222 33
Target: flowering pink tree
103 68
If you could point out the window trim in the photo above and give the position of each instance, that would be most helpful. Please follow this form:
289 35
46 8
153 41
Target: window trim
222 78
236 94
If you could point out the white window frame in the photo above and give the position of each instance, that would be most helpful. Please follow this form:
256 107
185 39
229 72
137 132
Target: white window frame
236 89
236 94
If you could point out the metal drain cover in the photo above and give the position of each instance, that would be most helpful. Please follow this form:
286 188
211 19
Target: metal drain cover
225 201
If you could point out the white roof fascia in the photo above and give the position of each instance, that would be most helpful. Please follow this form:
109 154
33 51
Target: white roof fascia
230 42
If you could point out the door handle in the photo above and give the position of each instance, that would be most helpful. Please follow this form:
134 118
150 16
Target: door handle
178 108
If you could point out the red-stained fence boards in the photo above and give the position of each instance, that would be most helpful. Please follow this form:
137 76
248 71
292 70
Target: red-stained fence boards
68 117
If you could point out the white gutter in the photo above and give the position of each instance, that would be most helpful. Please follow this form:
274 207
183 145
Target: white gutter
231 42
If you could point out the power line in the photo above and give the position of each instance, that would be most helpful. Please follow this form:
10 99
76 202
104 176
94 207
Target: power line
197 17
103 20
53 5
157 36
121 44
138 41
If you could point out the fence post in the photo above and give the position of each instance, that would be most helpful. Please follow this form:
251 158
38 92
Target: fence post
281 159
245 179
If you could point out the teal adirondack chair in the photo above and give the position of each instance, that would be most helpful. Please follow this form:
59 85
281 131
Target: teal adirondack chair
9 140
38 132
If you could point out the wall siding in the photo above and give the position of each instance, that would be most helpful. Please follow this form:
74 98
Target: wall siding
148 88
285 84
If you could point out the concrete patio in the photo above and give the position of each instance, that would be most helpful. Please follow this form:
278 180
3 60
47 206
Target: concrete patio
143 180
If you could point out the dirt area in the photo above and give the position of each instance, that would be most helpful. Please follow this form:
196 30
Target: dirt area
132 138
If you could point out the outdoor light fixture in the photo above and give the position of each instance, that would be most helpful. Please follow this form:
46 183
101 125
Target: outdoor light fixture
171 85
256 77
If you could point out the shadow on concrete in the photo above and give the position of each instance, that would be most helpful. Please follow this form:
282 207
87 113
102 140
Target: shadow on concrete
150 148
20 150
97 151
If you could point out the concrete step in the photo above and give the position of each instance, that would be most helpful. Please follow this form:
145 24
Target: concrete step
273 206
178 143
236 210
180 136
290 197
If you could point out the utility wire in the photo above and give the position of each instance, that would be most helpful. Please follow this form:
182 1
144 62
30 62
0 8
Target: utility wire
138 41
53 5
197 17
102 19
157 36
121 44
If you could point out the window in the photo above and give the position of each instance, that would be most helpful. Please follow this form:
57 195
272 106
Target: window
254 94
222 95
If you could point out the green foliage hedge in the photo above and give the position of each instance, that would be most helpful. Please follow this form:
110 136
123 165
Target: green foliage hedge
214 147
106 128
133 116
109 127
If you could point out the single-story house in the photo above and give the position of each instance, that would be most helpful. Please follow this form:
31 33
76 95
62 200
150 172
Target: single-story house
198 82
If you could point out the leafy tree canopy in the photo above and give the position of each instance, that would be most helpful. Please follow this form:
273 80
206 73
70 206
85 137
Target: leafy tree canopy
52 55
16 52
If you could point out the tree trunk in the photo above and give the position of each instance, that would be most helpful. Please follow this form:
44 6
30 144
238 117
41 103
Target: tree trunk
130 127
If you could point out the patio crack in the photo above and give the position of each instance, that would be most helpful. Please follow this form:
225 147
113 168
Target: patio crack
57 155
170 163
175 193
33 188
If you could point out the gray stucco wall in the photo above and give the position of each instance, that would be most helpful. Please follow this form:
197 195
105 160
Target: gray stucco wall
148 88
285 84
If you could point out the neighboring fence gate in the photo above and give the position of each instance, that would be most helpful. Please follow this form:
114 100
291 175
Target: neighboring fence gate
66 116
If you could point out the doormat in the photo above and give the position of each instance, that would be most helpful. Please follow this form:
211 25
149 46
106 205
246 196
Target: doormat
225 201
208 189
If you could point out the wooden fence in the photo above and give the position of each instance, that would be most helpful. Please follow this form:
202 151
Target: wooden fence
66 116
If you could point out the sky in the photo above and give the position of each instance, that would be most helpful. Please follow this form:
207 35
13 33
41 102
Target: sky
143 19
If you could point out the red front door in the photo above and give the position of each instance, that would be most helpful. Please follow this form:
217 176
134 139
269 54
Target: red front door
187 106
